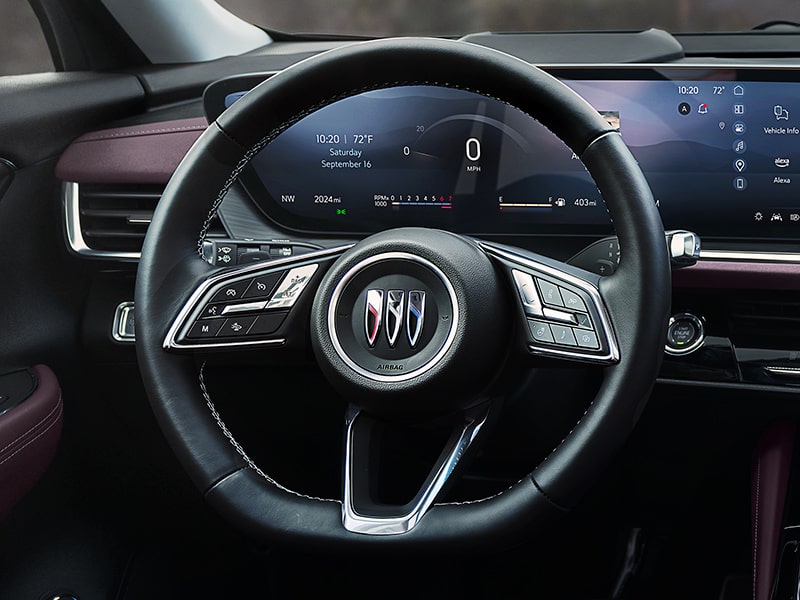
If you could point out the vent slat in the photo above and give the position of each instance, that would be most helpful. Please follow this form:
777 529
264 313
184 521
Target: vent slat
117 214
115 218
109 233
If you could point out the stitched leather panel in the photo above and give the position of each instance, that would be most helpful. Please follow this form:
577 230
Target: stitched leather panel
29 434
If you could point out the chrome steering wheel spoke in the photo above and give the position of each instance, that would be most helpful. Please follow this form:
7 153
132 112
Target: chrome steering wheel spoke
565 316
251 306
361 513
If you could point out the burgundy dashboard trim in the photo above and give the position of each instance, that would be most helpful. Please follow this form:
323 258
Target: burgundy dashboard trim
136 154
719 274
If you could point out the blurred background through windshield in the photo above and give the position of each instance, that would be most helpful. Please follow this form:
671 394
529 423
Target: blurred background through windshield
23 48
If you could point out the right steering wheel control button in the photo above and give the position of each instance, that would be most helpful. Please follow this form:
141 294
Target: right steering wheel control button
527 292
550 293
587 339
563 336
572 300
540 331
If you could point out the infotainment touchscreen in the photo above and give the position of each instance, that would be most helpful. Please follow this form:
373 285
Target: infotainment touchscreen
720 151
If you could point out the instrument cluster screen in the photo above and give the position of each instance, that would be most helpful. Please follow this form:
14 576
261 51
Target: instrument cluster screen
719 153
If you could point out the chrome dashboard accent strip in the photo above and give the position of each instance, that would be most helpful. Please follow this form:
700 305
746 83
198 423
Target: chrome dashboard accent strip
192 305
682 66
733 255
394 525
72 221
785 371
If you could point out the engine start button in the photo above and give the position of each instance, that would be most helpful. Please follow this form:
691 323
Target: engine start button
684 334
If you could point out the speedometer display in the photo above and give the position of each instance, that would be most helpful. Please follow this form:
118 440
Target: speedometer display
420 155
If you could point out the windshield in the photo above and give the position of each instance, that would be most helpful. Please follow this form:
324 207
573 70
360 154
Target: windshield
458 17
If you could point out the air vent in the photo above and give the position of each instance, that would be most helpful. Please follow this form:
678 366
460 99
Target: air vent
765 322
110 221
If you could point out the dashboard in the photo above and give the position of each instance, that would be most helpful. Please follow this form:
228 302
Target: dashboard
718 147
716 141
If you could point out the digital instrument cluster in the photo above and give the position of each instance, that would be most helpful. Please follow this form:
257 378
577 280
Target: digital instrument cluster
718 148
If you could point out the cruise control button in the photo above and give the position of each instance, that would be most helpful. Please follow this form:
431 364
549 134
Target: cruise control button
563 335
236 326
261 287
550 293
231 291
587 339
540 331
572 300
268 323
205 329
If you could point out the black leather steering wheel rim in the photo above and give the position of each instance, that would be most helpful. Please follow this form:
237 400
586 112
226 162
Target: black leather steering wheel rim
638 295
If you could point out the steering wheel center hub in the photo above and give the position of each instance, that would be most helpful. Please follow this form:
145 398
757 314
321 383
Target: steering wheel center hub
393 316
410 322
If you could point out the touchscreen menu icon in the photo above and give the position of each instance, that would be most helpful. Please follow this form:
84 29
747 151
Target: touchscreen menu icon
781 114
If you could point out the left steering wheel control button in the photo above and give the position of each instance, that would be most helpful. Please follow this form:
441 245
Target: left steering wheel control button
212 311
205 329
236 326
268 323
261 287
232 291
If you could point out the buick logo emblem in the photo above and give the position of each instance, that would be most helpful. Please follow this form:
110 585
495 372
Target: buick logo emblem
388 310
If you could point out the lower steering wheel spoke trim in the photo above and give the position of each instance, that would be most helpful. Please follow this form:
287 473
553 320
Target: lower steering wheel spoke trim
565 316
402 519
245 307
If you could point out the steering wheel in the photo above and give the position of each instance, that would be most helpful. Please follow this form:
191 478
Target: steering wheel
408 324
